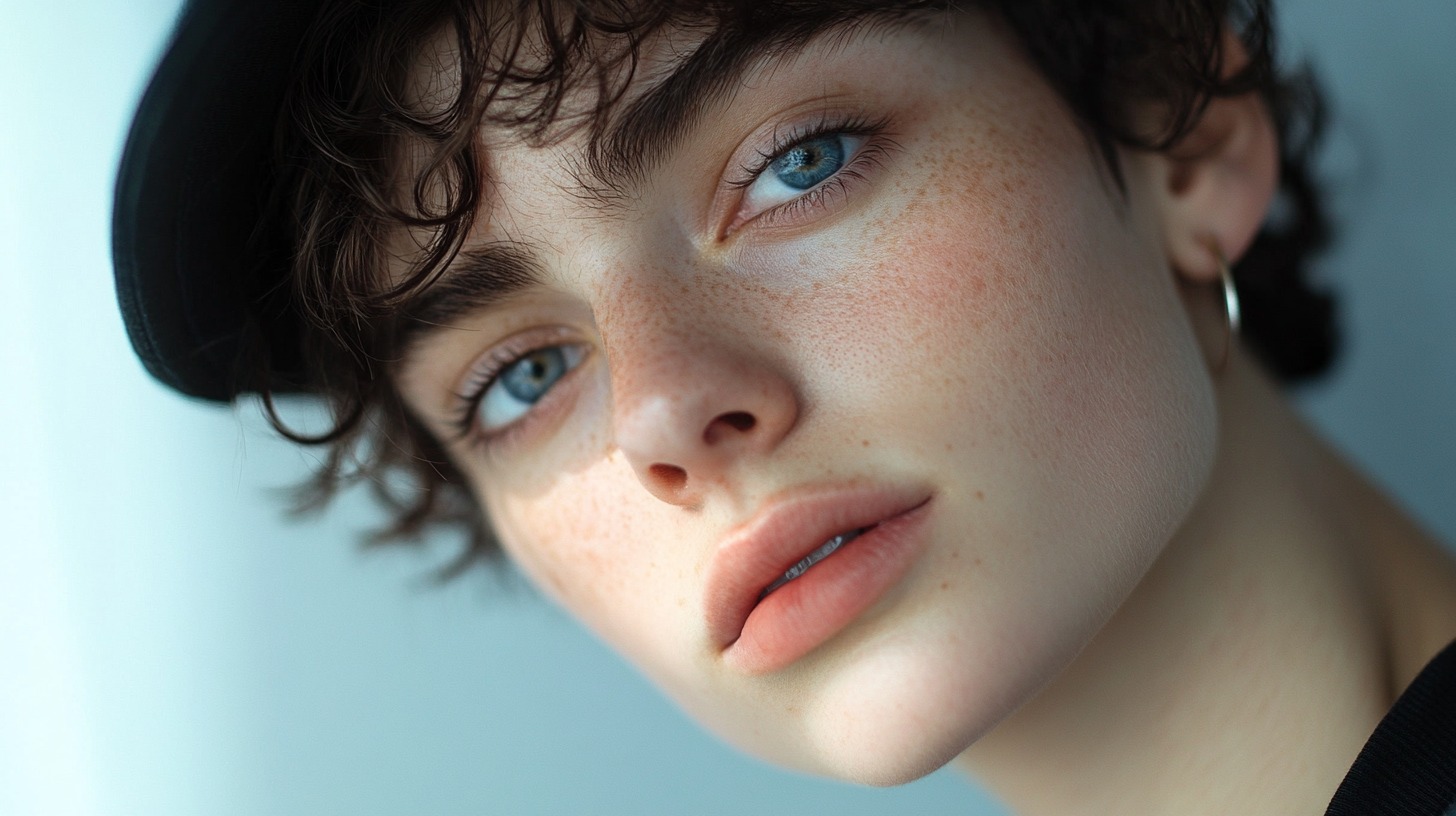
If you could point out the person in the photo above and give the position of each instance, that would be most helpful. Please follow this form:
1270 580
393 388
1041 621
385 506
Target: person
892 382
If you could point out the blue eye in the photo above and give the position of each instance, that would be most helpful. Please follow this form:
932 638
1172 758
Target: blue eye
810 162
796 170
523 383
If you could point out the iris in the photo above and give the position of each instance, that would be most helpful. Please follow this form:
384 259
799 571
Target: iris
809 162
529 378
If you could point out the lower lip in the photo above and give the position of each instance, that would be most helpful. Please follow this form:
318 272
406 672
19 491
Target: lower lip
809 610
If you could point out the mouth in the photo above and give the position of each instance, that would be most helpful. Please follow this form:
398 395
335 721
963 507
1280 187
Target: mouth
805 567
820 553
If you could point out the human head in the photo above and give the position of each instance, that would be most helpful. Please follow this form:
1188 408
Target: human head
343 208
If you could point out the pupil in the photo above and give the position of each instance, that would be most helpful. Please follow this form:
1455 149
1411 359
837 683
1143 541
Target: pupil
810 163
532 376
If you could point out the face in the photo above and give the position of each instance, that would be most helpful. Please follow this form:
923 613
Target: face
882 303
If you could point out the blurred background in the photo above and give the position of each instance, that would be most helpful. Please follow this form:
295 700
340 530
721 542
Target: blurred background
170 643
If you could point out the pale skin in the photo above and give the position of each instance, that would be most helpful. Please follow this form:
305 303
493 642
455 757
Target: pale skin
1142 585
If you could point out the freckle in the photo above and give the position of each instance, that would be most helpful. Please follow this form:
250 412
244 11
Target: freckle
978 561
864 443
949 447
980 495
944 585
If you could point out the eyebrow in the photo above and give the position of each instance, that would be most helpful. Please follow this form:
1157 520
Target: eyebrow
654 125
479 278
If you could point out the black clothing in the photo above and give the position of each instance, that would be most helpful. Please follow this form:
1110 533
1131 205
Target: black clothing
1408 767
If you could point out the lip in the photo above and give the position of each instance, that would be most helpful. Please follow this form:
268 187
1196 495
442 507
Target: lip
759 636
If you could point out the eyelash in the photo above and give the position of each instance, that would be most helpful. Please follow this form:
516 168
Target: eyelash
876 147
481 378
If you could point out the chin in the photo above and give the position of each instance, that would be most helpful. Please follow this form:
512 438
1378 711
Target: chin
906 704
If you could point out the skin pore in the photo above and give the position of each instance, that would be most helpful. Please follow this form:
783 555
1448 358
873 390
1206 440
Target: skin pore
1140 585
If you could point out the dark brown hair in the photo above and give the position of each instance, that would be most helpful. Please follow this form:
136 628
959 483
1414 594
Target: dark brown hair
349 122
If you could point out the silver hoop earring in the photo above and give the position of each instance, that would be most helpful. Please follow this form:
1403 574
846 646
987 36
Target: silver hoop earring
1233 316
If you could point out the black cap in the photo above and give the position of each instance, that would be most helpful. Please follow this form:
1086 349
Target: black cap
196 264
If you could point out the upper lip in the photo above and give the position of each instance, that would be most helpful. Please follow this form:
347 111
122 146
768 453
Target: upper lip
784 531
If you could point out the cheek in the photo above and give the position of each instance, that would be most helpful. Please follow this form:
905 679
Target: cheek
589 542
1016 304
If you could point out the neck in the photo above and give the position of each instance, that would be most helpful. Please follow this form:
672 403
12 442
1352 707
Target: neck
1248 669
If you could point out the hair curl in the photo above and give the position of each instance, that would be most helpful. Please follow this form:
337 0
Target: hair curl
349 124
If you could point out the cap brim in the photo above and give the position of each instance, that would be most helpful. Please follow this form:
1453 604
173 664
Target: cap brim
189 246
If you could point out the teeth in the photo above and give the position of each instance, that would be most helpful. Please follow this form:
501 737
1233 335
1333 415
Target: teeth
820 553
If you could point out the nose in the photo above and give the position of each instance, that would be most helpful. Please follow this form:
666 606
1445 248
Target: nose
689 406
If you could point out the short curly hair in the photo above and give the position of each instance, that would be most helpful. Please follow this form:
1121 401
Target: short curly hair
348 118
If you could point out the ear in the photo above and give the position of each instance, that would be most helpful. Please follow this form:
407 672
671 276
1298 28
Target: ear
1217 183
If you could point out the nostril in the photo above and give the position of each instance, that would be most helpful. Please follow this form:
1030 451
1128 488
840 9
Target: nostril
739 420
671 477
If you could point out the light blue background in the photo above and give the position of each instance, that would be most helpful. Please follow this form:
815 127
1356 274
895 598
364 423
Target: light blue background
170 645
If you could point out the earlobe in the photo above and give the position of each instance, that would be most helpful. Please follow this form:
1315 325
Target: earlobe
1217 185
